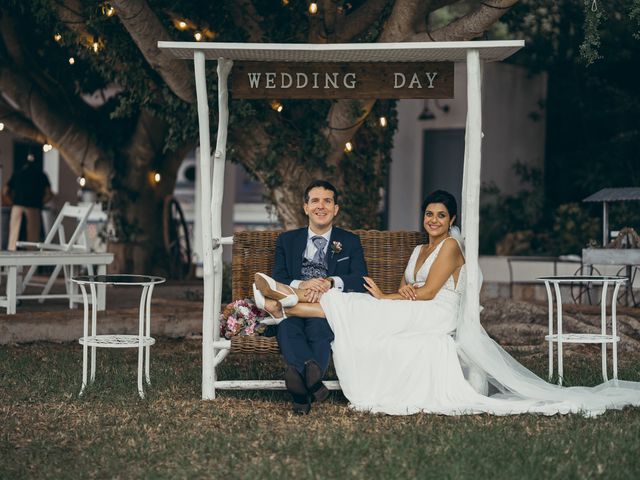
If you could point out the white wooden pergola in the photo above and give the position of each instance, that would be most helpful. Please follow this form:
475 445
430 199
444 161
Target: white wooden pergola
474 54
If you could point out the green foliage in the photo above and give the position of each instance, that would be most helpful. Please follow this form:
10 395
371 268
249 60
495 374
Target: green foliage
502 214
525 223
573 228
592 107
590 48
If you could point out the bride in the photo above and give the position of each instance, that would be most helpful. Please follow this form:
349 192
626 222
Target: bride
395 353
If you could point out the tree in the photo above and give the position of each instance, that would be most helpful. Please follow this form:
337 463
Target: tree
124 109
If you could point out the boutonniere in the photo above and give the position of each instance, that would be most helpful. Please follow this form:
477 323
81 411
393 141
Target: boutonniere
336 247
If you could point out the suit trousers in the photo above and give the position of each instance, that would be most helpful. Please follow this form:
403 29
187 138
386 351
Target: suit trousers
304 339
33 225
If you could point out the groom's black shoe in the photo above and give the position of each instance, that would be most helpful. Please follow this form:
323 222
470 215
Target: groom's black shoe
298 390
313 380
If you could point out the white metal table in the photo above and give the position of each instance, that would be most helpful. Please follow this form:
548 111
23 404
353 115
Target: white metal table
602 338
143 340
14 260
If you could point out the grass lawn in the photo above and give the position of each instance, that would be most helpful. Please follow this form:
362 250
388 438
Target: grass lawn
48 432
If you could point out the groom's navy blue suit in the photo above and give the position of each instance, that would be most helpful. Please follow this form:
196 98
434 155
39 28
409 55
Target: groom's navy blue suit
303 339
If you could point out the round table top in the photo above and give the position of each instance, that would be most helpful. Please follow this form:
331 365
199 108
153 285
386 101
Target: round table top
119 279
582 278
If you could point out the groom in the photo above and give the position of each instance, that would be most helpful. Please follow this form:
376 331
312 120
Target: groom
315 259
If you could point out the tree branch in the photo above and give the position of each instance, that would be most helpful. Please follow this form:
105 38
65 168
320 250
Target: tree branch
23 60
401 21
246 17
146 29
18 124
469 26
70 13
72 139
360 20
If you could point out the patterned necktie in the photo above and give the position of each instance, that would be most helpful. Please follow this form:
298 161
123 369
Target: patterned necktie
320 243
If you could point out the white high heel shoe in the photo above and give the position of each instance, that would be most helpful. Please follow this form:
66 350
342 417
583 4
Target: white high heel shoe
268 287
261 304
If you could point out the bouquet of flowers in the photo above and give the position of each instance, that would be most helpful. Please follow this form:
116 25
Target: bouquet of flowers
241 317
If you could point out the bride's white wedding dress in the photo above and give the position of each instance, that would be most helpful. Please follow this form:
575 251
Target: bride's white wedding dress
399 357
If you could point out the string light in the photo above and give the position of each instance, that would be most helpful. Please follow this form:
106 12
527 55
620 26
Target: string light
57 37
154 177
108 10
1 126
197 36
95 46
285 2
313 8
72 60
276 105
383 121
182 25
348 147
47 147
82 181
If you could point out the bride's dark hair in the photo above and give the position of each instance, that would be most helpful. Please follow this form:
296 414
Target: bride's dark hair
445 198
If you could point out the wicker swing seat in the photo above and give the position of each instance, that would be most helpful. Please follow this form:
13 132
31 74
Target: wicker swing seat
386 254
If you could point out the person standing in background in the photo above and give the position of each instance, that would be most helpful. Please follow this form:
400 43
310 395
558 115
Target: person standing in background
29 189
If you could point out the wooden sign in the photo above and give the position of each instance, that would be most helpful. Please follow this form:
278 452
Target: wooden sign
350 80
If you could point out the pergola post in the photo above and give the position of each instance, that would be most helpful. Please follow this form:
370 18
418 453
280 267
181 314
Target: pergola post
211 218
219 158
208 391
605 224
471 179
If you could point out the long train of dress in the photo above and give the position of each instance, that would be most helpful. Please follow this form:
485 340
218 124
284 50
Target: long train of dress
399 357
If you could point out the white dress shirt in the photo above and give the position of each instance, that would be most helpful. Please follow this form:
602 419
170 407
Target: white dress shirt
310 252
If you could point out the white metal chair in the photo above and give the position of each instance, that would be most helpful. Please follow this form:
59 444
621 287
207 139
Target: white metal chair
56 240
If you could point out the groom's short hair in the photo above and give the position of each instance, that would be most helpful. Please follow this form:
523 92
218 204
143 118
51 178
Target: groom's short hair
321 184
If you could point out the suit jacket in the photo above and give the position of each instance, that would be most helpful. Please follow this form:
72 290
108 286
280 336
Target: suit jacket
348 264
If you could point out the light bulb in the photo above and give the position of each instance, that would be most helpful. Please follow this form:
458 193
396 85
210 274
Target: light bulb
197 36
277 106
313 8
108 10
383 121
47 147
1 126
72 60
95 47
57 37
157 177
82 181
348 147
182 24
285 2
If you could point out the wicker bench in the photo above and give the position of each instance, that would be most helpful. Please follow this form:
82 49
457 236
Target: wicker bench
386 254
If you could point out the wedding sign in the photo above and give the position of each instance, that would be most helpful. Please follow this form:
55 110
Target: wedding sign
349 80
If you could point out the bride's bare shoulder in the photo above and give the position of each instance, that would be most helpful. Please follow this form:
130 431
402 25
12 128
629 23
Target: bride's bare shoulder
451 246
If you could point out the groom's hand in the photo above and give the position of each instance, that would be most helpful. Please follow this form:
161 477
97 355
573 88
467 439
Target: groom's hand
320 285
314 288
